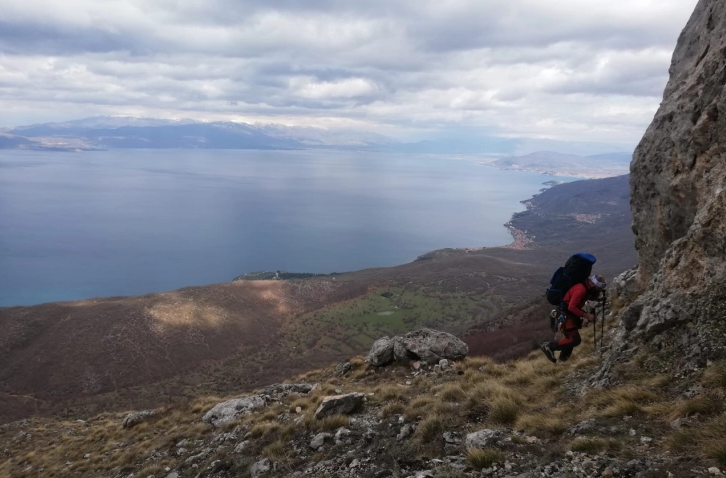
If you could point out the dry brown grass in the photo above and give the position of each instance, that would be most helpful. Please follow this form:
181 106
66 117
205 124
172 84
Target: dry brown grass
332 422
705 405
484 458
542 422
715 375
278 452
594 445
620 402
386 393
390 409
452 392
418 406
707 441
504 411
429 429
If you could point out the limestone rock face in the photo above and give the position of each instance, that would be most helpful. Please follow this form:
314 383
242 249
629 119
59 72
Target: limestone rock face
427 345
678 199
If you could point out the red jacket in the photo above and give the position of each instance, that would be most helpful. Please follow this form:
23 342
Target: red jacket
575 299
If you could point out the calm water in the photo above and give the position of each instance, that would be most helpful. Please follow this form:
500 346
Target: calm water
80 225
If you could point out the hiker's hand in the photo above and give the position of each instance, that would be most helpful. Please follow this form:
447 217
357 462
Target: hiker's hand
590 317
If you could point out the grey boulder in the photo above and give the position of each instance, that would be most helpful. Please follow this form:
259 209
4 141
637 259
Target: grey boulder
484 438
319 440
133 419
283 389
381 352
262 466
230 410
427 345
340 404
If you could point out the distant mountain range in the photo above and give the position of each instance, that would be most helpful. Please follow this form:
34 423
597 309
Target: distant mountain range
119 132
559 164
111 132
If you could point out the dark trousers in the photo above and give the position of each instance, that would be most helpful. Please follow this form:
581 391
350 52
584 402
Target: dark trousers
567 343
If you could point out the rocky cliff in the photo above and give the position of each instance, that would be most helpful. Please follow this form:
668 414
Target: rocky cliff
679 203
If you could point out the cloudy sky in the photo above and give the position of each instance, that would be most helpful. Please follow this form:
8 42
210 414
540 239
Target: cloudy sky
588 70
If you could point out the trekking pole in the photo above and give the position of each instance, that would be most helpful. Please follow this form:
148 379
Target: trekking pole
602 326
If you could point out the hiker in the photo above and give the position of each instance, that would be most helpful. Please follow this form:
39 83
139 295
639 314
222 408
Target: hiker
574 300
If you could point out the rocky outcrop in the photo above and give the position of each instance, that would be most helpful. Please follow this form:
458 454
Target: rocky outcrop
678 199
427 345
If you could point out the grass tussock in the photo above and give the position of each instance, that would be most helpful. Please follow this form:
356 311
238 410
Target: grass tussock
705 405
620 402
542 423
264 429
330 423
395 408
716 450
277 452
525 373
707 440
484 458
386 393
715 375
504 411
418 406
593 446
452 393
682 440
429 429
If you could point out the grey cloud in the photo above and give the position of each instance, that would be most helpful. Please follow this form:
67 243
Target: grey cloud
499 65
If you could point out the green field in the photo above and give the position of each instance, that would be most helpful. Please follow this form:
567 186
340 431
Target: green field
348 326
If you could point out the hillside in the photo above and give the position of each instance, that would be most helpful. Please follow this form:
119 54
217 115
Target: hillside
136 351
467 419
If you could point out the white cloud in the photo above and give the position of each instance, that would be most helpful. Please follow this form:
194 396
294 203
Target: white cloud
576 69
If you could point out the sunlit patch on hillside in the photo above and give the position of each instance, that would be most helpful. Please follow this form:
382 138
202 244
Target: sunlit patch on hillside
187 313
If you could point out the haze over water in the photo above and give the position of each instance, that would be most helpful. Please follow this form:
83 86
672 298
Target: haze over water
128 222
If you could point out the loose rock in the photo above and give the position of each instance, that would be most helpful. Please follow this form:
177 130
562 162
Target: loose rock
133 419
340 404
230 410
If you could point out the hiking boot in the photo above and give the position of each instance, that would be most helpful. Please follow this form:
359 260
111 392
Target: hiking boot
548 352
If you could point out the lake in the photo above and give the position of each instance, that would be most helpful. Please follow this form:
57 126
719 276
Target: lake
128 222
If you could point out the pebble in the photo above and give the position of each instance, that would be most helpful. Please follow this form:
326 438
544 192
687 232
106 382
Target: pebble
645 440
631 432
714 471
